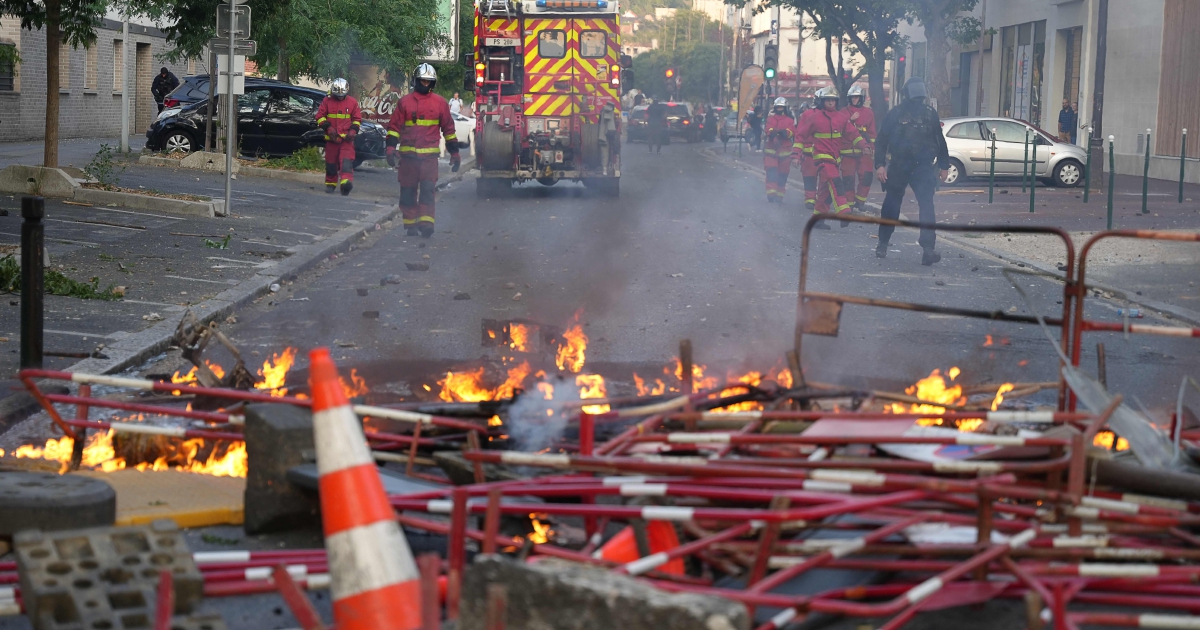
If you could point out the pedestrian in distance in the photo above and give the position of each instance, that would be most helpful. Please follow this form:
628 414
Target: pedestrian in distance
777 151
1067 122
756 128
421 116
912 134
859 163
828 131
164 83
340 117
455 104
656 127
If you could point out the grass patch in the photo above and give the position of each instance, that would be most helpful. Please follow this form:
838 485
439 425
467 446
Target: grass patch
306 159
56 283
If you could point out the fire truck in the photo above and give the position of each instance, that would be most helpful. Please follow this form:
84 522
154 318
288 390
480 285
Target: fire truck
547 82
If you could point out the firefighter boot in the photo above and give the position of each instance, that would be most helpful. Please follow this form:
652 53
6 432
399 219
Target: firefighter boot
330 188
412 231
346 188
426 229
881 250
928 257
821 226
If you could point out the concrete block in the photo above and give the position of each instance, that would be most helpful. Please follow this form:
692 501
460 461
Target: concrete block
305 177
208 161
37 180
559 595
103 577
278 437
211 208
32 500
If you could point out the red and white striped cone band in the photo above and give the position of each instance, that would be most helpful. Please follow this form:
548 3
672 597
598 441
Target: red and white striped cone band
374 580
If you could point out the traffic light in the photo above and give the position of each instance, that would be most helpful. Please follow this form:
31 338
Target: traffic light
770 59
670 72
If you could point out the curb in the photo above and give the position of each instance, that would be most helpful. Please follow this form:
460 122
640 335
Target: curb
291 176
140 346
1163 308
204 209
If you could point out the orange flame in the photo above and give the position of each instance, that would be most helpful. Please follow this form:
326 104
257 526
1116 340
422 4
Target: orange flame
471 387
1105 439
541 531
547 390
934 389
572 353
592 386
274 372
356 387
99 454
657 389
1003 389
699 380
519 336
784 378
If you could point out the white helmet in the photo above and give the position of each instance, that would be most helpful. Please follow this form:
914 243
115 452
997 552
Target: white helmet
855 90
425 71
340 88
781 102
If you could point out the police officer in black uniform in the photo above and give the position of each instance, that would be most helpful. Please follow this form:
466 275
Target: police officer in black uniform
912 134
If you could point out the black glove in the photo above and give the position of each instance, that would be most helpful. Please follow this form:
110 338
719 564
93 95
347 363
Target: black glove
455 162
391 157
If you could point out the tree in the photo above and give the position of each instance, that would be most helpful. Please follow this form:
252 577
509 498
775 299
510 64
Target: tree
696 64
313 38
64 21
943 25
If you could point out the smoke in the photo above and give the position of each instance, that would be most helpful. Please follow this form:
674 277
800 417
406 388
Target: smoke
538 418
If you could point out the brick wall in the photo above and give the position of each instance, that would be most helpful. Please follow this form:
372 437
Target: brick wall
90 101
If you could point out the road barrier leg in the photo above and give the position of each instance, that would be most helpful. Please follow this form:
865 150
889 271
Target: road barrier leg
33 281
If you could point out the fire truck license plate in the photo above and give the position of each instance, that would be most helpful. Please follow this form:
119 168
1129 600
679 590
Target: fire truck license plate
499 41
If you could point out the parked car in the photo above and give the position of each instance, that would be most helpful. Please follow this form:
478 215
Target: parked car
464 129
970 145
635 129
194 88
274 119
680 123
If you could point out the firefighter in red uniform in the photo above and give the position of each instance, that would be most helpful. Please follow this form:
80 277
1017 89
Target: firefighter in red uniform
825 132
340 117
420 117
780 133
858 162
803 155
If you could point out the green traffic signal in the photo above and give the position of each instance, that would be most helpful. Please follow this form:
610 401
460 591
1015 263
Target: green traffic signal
770 73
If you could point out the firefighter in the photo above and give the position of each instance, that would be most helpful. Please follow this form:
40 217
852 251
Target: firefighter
803 155
780 133
420 117
825 131
859 163
340 117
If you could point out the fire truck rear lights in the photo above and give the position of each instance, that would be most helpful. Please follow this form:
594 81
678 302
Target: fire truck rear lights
573 4
479 66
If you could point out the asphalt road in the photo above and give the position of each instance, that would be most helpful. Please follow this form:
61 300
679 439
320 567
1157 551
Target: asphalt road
690 250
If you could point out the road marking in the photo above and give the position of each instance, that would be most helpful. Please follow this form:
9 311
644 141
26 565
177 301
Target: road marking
103 225
56 240
117 335
298 233
144 214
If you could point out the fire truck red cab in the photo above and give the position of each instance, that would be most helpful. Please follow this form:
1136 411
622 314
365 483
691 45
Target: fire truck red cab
547 79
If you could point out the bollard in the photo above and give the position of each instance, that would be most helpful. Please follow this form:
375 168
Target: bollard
992 170
1087 169
33 260
1112 178
1025 160
1032 174
1182 158
1146 175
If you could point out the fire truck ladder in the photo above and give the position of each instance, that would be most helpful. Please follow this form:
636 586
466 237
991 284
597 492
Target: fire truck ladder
496 7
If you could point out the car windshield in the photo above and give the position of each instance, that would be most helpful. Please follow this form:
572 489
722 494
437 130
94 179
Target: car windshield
674 109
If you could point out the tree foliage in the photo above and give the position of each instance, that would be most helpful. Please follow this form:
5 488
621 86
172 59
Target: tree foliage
696 63
315 38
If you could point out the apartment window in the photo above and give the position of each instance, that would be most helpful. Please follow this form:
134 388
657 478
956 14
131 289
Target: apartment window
7 67
118 63
64 67
90 70
1022 63
918 59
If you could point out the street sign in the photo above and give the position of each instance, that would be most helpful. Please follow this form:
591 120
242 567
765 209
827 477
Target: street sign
241 28
239 74
245 47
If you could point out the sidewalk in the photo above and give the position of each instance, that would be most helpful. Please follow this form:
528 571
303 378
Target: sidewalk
75 152
170 263
1160 275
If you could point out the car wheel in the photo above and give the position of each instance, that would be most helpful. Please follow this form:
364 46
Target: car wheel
178 142
955 172
1068 174
320 147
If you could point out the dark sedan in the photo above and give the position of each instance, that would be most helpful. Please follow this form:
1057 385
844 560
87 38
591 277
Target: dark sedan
680 123
276 119
636 129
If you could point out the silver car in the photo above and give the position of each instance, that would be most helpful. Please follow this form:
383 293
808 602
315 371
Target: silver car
969 142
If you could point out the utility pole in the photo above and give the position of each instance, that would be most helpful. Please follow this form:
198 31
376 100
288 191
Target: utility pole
1096 146
982 34
125 85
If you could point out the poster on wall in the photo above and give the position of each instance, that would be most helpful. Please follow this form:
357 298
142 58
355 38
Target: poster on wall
447 28
377 95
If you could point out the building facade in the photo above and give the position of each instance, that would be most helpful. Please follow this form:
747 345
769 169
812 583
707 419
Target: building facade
1040 52
90 78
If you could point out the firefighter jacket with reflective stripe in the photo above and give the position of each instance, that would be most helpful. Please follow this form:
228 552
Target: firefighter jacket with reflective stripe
418 121
800 145
826 131
864 119
780 135
340 115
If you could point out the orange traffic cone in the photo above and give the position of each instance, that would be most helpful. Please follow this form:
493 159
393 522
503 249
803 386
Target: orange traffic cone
661 536
374 580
